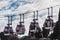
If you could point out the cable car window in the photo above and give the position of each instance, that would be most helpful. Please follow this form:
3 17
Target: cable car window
5 30
48 22
36 25
20 29
32 26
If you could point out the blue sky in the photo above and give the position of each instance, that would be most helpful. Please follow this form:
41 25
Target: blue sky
15 7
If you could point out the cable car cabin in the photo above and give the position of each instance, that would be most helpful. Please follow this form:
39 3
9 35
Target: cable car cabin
33 27
48 24
20 29
8 30
35 30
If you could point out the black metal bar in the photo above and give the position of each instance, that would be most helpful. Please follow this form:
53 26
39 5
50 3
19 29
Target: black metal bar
37 14
34 14
48 12
23 18
8 21
20 18
11 20
51 11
